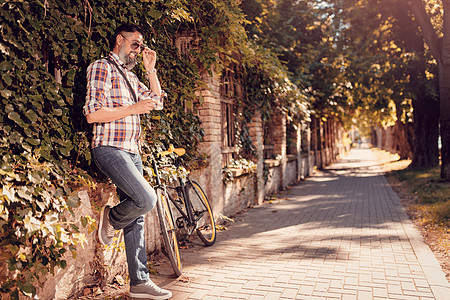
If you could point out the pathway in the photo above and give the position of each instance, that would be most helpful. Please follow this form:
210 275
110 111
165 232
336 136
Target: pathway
341 234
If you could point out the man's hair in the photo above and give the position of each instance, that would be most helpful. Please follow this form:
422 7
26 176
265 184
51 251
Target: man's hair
127 27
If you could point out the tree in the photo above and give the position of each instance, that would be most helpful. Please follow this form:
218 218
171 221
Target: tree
426 107
440 47
388 69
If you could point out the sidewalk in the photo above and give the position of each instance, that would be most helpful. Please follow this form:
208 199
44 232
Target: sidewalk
341 234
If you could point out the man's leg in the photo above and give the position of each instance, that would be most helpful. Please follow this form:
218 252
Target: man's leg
137 197
125 170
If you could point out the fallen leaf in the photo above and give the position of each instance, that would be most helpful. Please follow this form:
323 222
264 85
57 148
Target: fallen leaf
97 291
119 279
183 279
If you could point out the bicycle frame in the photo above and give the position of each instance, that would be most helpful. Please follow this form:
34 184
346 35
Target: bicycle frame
188 216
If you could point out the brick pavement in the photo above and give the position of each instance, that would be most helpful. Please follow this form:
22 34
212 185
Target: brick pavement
341 234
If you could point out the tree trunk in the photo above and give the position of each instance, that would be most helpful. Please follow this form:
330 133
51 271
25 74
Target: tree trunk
444 89
426 132
444 81
426 109
402 145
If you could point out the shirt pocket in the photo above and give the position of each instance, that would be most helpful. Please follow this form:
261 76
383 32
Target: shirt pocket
119 94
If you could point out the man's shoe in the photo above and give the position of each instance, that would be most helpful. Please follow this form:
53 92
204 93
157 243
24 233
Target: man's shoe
149 290
105 229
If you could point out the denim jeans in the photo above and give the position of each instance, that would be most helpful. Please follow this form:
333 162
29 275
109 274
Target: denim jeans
137 198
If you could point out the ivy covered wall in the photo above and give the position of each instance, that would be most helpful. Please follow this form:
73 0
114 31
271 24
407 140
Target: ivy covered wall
45 49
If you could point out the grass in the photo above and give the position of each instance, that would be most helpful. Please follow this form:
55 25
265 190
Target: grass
431 194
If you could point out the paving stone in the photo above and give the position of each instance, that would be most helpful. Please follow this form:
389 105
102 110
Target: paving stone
341 234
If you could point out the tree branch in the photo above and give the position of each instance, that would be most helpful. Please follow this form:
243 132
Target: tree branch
424 22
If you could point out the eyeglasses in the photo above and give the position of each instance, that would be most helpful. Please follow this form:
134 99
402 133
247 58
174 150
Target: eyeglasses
135 45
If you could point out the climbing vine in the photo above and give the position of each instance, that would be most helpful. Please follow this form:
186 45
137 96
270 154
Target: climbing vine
45 49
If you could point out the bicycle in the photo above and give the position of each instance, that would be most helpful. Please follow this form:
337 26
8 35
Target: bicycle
191 204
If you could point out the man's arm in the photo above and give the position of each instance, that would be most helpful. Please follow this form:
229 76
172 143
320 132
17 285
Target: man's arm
155 86
149 59
110 114
98 82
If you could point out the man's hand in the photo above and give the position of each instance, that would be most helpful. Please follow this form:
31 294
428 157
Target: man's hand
144 106
149 59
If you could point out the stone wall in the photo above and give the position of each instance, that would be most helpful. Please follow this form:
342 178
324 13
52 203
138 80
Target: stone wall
291 170
238 194
93 264
210 178
256 134
273 182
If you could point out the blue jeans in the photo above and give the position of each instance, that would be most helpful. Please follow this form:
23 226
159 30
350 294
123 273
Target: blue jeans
137 198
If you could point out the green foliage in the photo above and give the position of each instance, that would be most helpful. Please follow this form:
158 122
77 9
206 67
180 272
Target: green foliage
242 164
282 36
45 49
383 67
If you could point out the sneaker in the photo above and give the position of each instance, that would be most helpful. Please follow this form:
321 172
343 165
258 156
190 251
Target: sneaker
105 229
149 290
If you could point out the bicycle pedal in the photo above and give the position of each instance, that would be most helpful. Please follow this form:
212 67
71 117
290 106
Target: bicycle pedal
180 222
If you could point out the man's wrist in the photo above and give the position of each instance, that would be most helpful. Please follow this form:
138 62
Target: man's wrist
151 71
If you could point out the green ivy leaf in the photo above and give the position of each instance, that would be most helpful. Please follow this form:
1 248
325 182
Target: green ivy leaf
58 112
5 66
73 200
34 142
13 249
6 93
63 264
27 288
7 79
16 118
32 116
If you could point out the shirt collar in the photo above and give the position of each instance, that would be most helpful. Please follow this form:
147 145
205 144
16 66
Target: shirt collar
117 59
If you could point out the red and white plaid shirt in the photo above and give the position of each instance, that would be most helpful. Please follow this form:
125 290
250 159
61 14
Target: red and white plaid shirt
106 87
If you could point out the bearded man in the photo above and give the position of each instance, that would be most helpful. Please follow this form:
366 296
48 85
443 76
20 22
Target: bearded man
115 99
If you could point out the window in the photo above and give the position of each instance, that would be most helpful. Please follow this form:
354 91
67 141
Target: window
230 89
185 44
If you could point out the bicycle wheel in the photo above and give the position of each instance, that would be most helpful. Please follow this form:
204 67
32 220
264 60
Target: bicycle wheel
168 231
206 228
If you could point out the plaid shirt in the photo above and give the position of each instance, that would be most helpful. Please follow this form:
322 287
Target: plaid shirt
106 87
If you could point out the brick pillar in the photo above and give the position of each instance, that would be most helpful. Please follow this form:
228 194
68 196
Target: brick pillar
309 163
279 143
210 117
299 153
256 134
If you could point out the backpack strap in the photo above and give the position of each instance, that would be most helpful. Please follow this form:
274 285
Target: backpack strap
133 93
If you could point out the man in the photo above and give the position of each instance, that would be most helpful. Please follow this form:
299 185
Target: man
115 99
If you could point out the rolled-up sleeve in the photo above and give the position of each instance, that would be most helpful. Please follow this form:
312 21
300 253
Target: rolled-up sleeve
98 85
145 93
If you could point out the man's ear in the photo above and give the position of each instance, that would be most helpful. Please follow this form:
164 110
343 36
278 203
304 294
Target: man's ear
119 40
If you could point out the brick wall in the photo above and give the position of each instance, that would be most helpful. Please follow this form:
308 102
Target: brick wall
210 116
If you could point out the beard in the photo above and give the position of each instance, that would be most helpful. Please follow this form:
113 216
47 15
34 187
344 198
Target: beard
129 62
